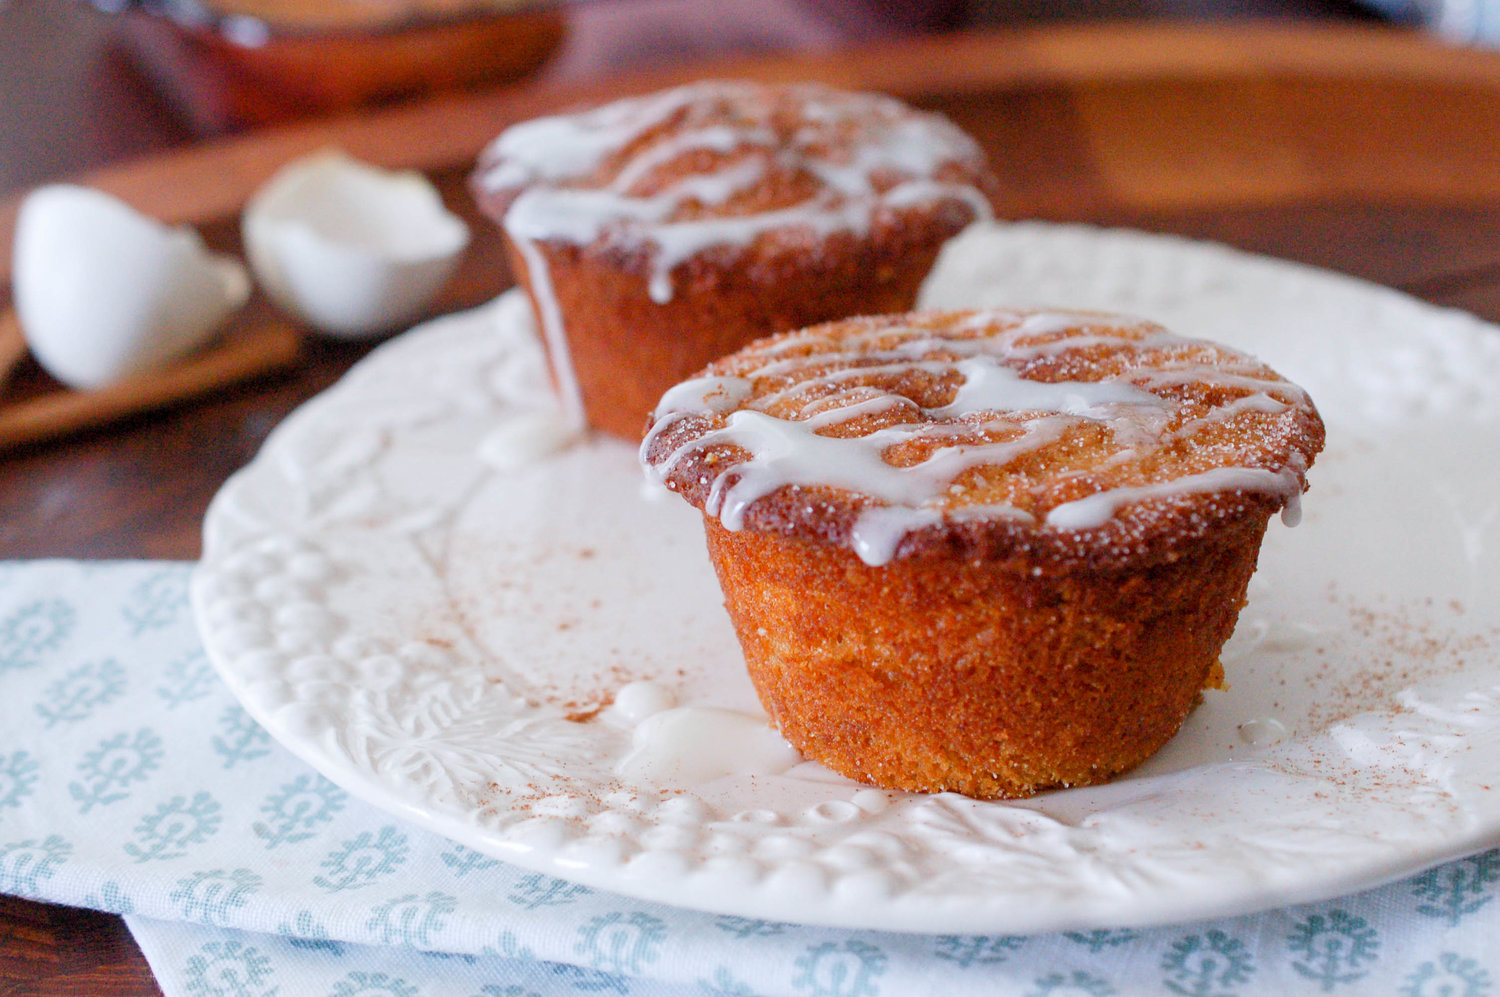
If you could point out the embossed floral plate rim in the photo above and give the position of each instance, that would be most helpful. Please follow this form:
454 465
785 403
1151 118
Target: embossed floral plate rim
309 635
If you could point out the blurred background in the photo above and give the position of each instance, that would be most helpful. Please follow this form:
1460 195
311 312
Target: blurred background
84 84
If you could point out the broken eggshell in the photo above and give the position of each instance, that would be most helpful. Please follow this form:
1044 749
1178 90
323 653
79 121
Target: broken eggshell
353 250
103 292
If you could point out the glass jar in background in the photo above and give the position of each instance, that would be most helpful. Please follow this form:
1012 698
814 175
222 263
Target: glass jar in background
226 65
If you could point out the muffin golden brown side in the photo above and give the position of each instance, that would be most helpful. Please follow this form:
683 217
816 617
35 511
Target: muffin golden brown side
656 233
989 552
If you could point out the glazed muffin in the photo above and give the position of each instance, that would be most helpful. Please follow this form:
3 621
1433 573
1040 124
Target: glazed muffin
659 232
990 552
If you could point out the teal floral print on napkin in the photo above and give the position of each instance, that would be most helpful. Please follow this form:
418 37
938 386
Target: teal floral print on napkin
110 897
29 633
1452 892
1104 938
1333 949
749 927
832 969
358 984
157 601
1075 984
536 890
297 809
509 947
410 920
589 981
363 859
1450 975
221 969
620 943
306 932
79 693
187 679
723 982
26 865
211 897
18 775
462 861
1211 964
977 950
240 739
107 773
174 826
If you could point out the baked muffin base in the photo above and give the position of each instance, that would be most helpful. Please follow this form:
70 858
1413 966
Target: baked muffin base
990 681
626 350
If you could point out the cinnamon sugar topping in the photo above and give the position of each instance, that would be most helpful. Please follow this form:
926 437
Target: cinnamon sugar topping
1043 422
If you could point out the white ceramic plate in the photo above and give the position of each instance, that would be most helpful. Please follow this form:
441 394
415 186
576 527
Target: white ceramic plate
426 591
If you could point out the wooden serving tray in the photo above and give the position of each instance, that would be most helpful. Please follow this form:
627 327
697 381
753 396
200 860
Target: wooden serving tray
1114 122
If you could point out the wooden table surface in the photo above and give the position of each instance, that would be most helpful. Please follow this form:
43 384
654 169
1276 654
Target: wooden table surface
1347 146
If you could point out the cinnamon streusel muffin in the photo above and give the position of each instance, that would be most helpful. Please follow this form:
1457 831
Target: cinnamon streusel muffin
658 232
990 552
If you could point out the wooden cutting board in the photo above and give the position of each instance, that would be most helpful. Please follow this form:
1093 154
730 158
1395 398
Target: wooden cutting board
1148 117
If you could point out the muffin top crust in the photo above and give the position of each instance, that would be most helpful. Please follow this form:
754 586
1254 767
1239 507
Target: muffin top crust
730 167
1046 436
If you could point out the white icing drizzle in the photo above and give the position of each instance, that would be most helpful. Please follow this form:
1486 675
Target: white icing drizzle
989 387
715 138
790 453
1020 414
704 395
549 317
1097 509
1192 373
1258 402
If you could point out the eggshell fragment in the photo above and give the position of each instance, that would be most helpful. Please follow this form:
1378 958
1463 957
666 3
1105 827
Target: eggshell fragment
104 293
352 249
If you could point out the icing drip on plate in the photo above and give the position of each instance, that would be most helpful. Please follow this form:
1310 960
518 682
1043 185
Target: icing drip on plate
1054 421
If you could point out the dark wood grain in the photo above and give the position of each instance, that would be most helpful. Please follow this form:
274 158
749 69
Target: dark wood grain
1211 134
66 952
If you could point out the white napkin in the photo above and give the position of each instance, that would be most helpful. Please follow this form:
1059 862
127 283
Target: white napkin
130 781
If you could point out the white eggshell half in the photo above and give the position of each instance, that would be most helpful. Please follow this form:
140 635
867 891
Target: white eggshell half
103 292
352 249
